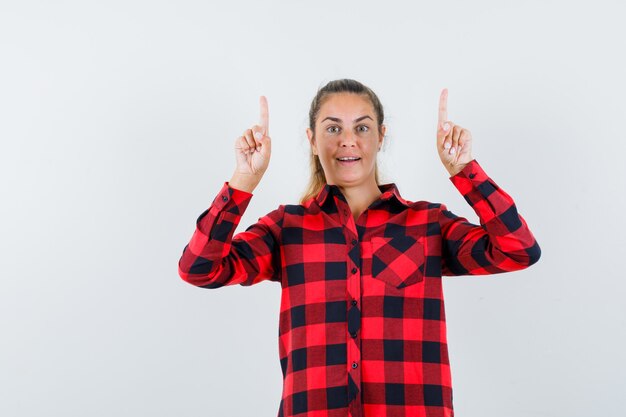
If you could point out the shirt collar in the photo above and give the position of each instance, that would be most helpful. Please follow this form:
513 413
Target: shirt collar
389 190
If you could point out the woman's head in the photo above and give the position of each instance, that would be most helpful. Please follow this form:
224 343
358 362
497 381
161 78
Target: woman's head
345 119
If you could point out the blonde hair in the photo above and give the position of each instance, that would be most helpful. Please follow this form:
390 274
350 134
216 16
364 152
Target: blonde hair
317 179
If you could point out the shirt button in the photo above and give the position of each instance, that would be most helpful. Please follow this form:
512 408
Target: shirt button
353 302
354 241
224 198
345 212
354 270
354 365
353 335
472 175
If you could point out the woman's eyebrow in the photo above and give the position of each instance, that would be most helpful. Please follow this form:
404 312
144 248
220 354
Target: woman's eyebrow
336 119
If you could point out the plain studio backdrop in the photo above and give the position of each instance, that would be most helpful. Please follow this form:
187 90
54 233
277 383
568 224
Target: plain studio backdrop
117 128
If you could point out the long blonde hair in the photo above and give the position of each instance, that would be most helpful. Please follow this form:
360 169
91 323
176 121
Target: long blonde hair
317 179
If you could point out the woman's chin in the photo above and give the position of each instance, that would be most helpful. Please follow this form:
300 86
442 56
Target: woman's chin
350 175
349 178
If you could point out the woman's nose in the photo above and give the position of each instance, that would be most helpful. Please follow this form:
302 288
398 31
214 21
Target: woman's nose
347 139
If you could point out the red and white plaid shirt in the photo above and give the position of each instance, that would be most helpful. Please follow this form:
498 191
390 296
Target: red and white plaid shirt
362 329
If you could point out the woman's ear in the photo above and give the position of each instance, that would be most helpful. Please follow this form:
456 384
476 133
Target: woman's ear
310 136
383 130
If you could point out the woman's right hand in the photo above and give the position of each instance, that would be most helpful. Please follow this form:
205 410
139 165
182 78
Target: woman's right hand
253 148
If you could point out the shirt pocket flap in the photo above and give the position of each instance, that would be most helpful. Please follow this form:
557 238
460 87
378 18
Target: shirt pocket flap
398 260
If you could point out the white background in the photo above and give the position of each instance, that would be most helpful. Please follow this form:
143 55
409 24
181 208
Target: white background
117 127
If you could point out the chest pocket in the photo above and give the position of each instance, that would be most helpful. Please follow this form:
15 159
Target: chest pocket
398 261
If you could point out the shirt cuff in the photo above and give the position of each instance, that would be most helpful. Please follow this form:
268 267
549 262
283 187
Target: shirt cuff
228 199
469 177
233 195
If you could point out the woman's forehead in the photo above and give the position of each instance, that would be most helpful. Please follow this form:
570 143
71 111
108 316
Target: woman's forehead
346 106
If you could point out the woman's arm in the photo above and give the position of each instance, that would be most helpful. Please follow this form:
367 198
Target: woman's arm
213 257
502 243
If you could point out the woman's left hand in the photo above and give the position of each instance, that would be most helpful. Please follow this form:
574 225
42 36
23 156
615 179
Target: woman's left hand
454 144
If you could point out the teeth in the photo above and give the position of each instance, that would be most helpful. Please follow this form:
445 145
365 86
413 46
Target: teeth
348 159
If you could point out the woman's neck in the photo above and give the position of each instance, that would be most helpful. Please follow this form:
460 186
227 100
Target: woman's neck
359 198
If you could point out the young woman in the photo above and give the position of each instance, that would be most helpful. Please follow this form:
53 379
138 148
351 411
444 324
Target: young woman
362 321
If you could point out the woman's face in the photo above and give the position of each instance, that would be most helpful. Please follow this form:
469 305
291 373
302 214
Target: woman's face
347 126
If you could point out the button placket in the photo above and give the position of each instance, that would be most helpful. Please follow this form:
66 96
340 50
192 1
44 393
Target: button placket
353 308
354 325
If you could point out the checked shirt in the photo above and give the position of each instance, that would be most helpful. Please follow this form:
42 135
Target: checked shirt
362 329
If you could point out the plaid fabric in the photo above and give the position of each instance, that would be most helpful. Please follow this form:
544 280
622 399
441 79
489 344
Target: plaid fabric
362 328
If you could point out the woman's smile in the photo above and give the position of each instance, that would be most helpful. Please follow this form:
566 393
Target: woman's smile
348 160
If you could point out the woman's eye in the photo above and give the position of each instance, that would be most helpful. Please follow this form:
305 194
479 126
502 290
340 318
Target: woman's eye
363 128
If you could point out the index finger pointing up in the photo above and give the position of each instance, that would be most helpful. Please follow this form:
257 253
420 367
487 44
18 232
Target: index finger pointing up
443 106
264 119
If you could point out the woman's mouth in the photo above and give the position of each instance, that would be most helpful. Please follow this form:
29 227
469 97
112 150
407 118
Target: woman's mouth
348 161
